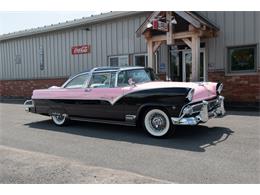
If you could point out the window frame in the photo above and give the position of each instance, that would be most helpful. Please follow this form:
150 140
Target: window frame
145 59
118 56
241 72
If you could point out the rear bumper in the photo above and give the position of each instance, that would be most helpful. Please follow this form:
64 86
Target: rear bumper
201 112
29 106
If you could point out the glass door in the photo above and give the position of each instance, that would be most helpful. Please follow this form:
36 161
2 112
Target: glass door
187 65
175 60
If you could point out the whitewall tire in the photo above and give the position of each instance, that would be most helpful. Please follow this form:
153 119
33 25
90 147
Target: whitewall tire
60 119
157 123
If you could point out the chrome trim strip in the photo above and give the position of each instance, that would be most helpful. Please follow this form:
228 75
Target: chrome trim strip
130 117
104 121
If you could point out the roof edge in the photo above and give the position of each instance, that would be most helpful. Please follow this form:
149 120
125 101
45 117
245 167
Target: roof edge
68 24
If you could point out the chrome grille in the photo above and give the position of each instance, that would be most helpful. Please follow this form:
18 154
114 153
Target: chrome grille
197 107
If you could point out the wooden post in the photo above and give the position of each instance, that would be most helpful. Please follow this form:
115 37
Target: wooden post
169 35
150 53
206 62
195 50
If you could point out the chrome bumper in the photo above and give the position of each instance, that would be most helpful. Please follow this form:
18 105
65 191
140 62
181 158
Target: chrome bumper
29 106
200 113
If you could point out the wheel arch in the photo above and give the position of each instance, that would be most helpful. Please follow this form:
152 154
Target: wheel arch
141 111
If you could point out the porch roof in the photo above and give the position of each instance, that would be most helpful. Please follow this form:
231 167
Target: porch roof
193 18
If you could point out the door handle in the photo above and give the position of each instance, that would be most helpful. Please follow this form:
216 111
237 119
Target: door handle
88 90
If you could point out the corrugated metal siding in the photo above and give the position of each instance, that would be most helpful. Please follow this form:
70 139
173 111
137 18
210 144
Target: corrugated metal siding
236 28
115 37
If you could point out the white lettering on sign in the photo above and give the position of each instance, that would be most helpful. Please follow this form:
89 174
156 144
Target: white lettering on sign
81 49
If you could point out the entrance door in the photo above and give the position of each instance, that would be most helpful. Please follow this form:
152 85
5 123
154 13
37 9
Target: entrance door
180 65
187 67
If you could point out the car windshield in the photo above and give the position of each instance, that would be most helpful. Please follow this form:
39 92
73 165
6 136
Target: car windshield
135 76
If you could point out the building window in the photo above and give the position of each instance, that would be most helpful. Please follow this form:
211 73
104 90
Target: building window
140 60
242 59
119 60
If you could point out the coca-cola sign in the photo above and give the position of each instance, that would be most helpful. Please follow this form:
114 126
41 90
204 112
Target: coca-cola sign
80 49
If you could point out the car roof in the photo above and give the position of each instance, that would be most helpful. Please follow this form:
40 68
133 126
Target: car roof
108 69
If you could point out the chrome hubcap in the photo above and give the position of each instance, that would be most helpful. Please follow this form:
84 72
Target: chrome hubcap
59 117
157 122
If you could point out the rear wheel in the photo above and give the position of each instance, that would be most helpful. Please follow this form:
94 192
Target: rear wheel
157 123
60 119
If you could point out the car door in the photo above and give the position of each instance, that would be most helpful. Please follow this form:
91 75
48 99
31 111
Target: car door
72 95
102 96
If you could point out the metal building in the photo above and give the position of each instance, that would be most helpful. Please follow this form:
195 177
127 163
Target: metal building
231 55
46 52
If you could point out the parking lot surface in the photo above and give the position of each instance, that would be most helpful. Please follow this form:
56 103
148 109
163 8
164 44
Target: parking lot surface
224 150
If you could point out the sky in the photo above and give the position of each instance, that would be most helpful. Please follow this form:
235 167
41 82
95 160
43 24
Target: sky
16 21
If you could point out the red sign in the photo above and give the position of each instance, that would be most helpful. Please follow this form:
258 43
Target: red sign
159 25
80 49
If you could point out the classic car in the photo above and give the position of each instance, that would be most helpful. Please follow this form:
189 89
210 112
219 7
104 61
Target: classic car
129 96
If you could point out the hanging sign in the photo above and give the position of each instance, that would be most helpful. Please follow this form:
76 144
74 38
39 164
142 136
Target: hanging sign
80 49
159 25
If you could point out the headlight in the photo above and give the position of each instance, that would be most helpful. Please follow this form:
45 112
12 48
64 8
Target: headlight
219 88
190 94
187 110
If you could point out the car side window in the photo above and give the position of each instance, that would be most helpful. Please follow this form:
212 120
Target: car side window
137 76
102 80
77 82
122 81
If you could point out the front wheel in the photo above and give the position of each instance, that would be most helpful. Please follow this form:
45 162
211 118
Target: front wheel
60 119
157 123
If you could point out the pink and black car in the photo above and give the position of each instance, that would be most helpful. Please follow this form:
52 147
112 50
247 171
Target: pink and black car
129 96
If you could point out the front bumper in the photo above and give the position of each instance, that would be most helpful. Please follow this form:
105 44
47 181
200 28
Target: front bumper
200 112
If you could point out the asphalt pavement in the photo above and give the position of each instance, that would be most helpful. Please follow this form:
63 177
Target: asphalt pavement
224 150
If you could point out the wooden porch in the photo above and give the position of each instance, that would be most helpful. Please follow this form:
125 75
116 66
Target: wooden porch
173 27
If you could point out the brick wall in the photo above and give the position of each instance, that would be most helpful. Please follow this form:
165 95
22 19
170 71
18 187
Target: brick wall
244 88
238 88
24 88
